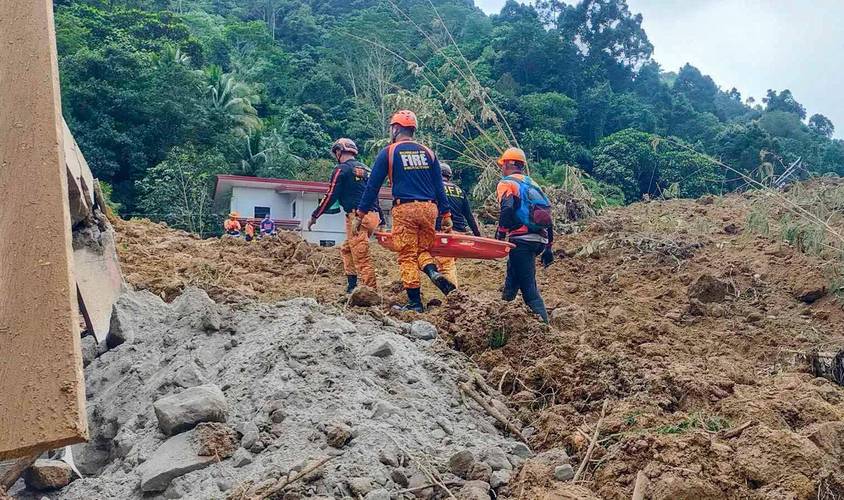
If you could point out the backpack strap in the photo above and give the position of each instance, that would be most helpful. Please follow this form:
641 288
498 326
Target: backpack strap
390 150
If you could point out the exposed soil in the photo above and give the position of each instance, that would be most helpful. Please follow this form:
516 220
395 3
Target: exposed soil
674 312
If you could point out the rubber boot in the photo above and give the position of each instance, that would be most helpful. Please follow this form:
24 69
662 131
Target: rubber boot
414 301
353 282
538 307
439 279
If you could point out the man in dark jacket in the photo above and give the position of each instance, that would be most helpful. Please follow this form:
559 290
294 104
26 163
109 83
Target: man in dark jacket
461 215
521 262
418 198
345 189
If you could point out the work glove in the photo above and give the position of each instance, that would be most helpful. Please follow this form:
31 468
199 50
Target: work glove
356 223
447 224
500 235
547 256
311 223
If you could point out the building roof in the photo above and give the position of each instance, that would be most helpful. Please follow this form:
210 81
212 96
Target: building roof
226 182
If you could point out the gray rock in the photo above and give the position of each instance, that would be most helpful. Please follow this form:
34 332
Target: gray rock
460 464
481 471
122 327
563 472
212 321
379 494
182 411
250 435
360 485
499 478
89 350
388 456
423 330
380 349
521 450
418 480
496 458
175 457
47 474
399 477
241 458
474 490
189 376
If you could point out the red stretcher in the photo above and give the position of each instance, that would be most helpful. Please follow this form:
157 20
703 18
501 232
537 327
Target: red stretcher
461 246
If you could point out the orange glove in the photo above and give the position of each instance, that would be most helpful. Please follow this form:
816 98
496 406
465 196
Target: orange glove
447 224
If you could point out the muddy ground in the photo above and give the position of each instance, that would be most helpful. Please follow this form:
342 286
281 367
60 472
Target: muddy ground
674 313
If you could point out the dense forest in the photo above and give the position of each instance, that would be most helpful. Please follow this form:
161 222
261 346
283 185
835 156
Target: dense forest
164 94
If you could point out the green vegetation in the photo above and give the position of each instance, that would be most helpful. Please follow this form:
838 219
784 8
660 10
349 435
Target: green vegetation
157 90
709 423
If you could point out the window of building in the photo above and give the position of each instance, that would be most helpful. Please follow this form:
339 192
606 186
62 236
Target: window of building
261 212
327 243
293 209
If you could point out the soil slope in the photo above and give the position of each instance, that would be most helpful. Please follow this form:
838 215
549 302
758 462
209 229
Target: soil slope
674 313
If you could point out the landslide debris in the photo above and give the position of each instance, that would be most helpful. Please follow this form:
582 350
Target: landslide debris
185 411
683 314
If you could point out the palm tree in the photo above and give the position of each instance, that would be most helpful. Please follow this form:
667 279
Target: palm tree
172 55
234 98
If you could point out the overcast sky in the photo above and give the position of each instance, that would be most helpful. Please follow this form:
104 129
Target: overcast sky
752 45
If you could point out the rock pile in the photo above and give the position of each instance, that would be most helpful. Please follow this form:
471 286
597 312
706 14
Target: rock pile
202 401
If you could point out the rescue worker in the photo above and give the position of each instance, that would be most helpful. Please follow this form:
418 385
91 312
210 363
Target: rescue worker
515 224
232 225
249 231
346 187
267 226
461 216
418 198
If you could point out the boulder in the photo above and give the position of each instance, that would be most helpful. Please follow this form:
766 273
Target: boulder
181 454
563 472
89 350
499 478
363 296
496 458
380 348
360 486
423 330
241 458
47 474
182 411
379 494
460 464
474 490
121 329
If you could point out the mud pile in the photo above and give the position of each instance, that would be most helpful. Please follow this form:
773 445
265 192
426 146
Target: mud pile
677 313
285 385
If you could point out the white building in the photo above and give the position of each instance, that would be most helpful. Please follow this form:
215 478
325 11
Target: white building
289 203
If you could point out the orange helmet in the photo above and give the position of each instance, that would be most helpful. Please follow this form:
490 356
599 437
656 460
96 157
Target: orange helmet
514 154
405 118
344 145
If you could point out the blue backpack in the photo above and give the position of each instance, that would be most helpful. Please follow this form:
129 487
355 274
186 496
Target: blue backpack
534 209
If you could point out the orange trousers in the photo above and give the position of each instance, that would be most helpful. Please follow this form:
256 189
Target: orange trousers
413 236
355 250
448 267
